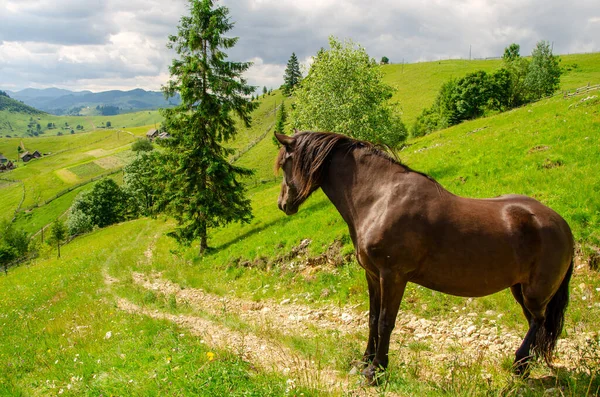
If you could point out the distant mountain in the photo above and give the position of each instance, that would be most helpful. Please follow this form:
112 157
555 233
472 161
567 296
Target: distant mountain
29 93
59 101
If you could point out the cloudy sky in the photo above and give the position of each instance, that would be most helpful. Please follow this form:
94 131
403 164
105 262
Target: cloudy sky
121 44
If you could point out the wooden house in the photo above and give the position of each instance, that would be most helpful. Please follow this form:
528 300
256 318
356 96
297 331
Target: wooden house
152 133
25 156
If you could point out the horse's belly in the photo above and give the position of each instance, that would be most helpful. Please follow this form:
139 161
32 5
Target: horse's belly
468 281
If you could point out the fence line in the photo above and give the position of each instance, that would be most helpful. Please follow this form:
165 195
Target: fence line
581 90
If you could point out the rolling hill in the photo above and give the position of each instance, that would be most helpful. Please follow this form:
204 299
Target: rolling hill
8 104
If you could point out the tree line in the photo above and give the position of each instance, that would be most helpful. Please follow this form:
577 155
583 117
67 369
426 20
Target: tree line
519 81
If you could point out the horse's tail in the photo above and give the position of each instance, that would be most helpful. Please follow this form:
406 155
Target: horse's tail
547 335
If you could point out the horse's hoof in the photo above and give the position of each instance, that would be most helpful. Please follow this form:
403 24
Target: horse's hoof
369 373
521 368
373 374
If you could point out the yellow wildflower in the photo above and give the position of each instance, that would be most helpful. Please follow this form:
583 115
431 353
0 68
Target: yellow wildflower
210 356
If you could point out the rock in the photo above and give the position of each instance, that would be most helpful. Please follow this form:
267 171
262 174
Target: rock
346 317
470 330
490 313
285 301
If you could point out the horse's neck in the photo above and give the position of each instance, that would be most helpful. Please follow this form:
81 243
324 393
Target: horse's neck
356 181
353 181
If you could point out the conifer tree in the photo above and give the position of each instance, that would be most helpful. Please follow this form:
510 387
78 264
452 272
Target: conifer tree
281 119
202 187
292 75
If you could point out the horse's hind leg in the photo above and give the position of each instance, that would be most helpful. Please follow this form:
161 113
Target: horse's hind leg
374 308
523 352
518 294
536 307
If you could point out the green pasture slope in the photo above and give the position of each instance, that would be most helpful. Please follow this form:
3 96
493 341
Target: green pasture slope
56 315
15 124
418 84
69 161
59 311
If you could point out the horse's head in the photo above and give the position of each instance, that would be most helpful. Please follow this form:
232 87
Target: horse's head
288 197
303 160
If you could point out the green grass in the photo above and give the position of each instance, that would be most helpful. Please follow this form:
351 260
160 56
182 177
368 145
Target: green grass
60 312
418 83
60 308
15 124
86 170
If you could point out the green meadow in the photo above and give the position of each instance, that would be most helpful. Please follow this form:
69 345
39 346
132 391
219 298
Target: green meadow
86 324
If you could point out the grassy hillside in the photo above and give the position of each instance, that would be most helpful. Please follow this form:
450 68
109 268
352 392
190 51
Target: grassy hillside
68 161
418 83
67 335
140 314
11 105
16 124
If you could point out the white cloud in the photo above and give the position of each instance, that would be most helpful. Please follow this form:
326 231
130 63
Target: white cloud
102 44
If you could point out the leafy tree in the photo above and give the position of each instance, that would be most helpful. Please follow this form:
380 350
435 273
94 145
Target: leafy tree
202 187
292 75
511 52
385 60
105 204
14 243
142 145
13 237
543 74
142 183
472 95
58 234
7 255
344 92
517 68
79 222
108 124
442 114
265 90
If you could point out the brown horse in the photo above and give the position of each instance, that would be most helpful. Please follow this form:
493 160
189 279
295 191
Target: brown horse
406 227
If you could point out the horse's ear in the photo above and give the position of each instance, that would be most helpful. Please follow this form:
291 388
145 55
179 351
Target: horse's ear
287 141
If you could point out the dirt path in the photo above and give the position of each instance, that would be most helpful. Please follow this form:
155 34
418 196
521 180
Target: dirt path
459 339
261 352
471 334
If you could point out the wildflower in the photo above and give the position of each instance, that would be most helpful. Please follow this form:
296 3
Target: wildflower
210 356
108 335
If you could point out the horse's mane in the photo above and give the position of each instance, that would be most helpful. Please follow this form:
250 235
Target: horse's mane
312 149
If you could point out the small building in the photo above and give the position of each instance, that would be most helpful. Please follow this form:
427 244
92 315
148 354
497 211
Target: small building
36 154
7 167
152 133
3 159
25 156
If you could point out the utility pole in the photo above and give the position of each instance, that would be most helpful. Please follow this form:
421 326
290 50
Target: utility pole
469 52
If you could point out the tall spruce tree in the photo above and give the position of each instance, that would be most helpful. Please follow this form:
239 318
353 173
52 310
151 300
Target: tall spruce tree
292 75
202 187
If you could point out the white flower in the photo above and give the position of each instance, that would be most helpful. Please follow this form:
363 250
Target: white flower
108 335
